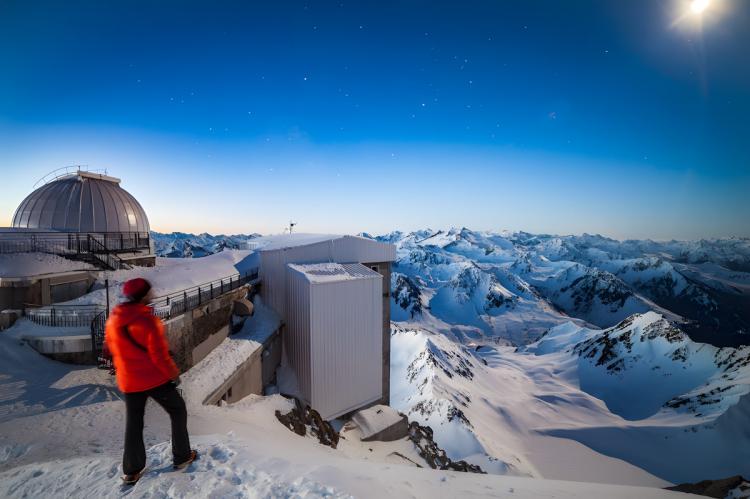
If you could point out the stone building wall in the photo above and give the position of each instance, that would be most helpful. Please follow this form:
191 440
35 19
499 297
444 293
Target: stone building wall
193 335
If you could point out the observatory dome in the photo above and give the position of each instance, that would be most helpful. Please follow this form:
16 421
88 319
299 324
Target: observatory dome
81 202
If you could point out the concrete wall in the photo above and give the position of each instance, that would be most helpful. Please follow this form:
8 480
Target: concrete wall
193 335
71 349
17 293
257 372
8 317
142 260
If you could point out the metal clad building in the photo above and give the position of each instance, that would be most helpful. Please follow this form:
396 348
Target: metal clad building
334 335
276 253
313 249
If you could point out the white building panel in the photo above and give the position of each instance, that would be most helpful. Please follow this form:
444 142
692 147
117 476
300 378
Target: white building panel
279 251
334 335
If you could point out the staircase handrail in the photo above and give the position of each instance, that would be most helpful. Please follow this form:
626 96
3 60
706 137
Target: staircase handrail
66 170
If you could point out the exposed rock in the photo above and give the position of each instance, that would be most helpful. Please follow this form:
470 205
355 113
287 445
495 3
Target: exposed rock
734 487
434 455
299 420
243 308
406 294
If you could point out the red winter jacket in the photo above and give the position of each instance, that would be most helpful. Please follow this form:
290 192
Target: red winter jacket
142 361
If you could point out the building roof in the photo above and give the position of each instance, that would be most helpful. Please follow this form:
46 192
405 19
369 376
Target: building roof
327 247
318 273
81 202
285 241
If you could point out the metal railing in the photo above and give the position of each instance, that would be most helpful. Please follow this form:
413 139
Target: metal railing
64 315
172 305
73 243
188 299
101 257
101 355
65 171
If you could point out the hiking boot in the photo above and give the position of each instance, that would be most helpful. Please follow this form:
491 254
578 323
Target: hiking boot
186 463
133 477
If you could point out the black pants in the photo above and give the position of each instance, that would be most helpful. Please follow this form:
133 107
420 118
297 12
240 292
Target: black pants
166 395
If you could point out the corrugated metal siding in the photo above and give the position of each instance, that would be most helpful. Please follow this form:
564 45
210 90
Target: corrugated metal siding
297 334
346 249
81 204
359 270
346 349
334 339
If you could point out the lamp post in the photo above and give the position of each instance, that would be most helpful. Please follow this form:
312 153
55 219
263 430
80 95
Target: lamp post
106 286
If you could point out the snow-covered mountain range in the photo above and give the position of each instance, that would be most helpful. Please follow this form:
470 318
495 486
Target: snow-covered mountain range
573 357
504 343
182 245
514 286
639 401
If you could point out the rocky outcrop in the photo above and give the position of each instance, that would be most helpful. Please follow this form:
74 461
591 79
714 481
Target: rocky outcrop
300 421
434 455
734 487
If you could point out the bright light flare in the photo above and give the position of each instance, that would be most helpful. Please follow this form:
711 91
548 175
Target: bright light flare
698 14
699 6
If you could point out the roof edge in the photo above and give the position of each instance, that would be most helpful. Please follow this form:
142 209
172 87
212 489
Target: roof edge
97 176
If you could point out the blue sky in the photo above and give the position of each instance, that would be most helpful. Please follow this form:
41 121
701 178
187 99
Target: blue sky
556 116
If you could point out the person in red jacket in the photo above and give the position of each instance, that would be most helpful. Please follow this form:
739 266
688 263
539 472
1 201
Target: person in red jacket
144 368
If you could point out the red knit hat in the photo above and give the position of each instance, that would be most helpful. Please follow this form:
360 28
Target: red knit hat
136 289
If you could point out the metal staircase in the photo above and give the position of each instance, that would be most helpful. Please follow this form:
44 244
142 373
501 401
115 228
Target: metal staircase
100 249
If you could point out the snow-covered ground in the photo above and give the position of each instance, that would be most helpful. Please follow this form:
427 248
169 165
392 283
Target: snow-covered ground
31 264
61 435
170 275
495 346
203 379
639 403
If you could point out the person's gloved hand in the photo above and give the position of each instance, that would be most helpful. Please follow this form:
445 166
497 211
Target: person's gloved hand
177 381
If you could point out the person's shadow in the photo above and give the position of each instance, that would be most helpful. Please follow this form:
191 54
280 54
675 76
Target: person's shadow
32 384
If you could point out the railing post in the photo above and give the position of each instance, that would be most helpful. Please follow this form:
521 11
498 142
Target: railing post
121 243
184 301
52 316
199 295
212 290
93 341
